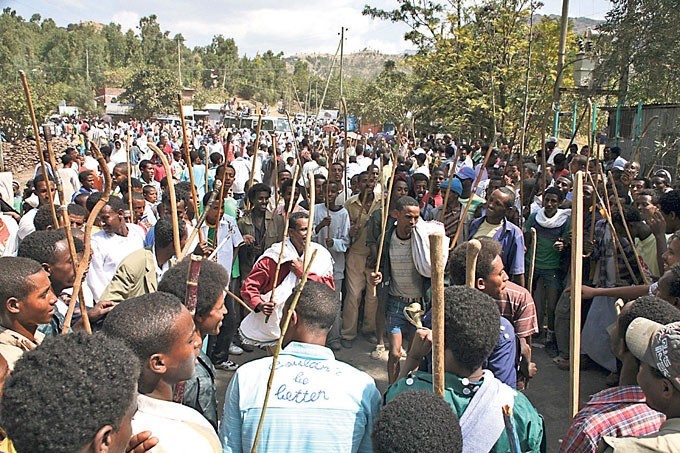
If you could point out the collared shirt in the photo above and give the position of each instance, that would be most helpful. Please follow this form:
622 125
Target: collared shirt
317 404
617 412
273 229
178 428
200 392
512 244
518 307
359 216
458 392
13 344
666 440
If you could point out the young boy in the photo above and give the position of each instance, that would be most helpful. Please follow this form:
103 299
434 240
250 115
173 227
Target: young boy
552 227
162 334
199 391
331 228
26 301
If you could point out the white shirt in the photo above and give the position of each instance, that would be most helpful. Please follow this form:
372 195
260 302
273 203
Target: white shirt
178 428
108 251
228 238
339 232
242 168
10 247
26 225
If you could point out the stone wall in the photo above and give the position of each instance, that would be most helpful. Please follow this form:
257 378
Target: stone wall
22 155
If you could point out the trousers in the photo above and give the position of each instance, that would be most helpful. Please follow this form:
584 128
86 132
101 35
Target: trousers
358 279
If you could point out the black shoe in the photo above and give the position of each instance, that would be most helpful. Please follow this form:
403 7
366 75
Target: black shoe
347 343
335 345
551 349
246 347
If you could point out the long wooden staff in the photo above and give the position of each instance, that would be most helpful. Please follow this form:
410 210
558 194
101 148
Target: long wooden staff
190 300
463 214
452 172
63 220
345 153
532 262
239 300
128 166
201 221
576 281
615 236
36 132
276 173
437 269
173 198
190 164
471 254
256 150
279 345
630 237
385 215
84 263
287 213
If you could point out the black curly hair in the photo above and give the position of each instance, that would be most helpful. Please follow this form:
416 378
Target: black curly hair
491 248
60 394
41 246
648 307
13 277
43 218
318 305
145 323
471 320
417 421
211 282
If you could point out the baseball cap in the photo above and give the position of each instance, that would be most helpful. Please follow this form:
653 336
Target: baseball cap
657 345
453 184
466 173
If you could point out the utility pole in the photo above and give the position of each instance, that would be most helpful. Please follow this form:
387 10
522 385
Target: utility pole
179 61
560 52
87 64
342 46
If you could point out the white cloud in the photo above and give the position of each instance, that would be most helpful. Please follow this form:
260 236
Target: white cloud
126 19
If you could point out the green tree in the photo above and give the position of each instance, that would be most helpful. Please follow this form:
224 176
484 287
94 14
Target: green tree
153 91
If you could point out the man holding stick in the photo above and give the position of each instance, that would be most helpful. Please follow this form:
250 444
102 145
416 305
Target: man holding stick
476 396
399 274
358 271
319 404
259 284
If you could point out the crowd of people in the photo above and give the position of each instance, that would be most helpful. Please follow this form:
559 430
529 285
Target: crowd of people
248 205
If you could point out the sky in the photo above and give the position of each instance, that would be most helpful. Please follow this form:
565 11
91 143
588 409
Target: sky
288 26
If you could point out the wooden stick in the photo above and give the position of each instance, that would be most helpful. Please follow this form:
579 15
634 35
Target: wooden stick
256 147
594 211
346 155
532 262
190 164
471 254
276 173
84 263
452 172
128 166
478 178
576 281
437 268
57 180
279 345
201 221
239 300
66 224
310 222
385 216
630 237
615 238
287 213
36 132
173 198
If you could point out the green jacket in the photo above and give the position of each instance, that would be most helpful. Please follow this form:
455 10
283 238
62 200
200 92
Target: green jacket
528 422
135 276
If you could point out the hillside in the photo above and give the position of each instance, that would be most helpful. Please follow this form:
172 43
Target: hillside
366 64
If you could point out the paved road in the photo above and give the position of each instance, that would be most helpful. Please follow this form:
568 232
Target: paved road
548 391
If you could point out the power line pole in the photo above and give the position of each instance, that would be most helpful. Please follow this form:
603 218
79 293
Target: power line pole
342 46
179 61
560 52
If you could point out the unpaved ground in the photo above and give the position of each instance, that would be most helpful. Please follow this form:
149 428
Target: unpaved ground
548 391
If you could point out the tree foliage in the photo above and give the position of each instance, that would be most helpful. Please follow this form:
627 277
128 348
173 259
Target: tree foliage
153 91
639 50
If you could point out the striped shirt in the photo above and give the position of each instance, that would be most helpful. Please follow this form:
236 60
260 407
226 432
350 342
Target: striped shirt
518 308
